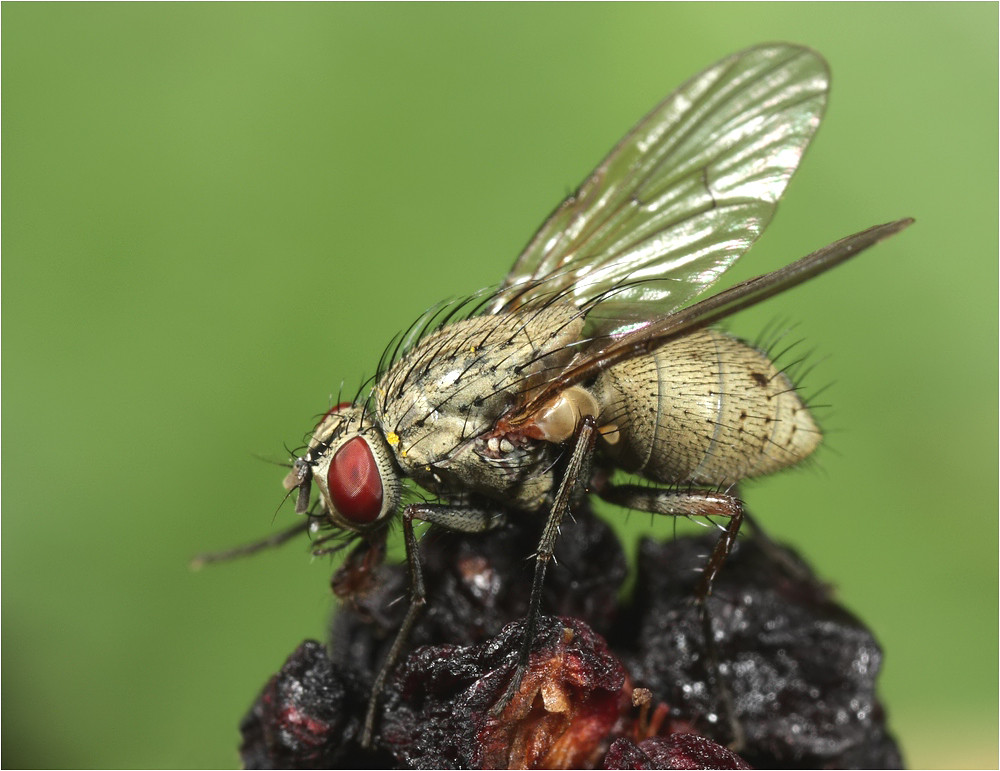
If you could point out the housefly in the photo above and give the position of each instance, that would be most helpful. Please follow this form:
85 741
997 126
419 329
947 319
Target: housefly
591 356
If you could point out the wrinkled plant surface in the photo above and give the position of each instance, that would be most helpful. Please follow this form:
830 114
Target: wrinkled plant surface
788 680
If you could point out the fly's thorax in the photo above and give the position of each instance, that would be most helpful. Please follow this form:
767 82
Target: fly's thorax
705 409
521 478
455 383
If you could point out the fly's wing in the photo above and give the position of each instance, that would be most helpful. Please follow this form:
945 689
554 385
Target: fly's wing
681 197
703 313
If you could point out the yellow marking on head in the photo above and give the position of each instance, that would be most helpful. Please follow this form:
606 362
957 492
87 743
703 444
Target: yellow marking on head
392 438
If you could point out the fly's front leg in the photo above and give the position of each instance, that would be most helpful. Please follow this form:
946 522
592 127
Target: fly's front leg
243 551
695 503
574 477
465 519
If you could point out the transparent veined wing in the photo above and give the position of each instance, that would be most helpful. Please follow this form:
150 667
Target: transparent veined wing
682 196
608 351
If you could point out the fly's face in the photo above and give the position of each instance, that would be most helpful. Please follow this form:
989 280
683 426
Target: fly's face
352 468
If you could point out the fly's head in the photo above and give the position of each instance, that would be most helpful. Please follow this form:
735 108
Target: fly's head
351 464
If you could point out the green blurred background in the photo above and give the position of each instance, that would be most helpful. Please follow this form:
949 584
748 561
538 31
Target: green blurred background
215 214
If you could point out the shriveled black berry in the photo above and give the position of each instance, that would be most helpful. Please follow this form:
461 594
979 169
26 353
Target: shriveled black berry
675 751
307 716
789 673
799 669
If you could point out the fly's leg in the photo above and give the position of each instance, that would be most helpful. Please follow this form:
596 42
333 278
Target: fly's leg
252 548
695 503
575 475
418 596
686 503
461 518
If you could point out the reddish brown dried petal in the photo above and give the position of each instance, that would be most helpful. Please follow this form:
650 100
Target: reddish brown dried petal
572 696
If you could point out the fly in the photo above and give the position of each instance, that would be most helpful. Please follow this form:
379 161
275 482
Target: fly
591 356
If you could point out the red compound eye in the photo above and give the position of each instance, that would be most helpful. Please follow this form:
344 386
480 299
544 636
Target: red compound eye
354 482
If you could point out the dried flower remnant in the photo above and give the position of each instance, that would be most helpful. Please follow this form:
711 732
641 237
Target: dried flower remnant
575 692
306 716
799 669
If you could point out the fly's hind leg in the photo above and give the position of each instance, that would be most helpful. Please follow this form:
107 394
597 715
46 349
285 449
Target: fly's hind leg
686 503
695 503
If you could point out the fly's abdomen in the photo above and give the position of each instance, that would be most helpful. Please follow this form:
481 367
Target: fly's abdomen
704 409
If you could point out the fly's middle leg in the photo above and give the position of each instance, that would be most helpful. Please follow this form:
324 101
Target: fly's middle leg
575 476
